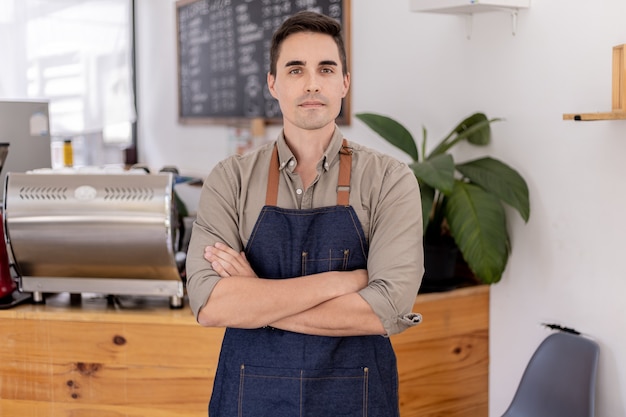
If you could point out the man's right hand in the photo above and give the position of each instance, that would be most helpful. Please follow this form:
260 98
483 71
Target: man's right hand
228 262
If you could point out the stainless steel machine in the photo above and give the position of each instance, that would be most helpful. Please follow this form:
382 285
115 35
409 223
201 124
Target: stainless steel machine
103 233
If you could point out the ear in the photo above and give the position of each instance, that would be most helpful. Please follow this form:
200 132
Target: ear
271 81
346 84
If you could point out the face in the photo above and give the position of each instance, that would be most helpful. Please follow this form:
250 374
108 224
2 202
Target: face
309 84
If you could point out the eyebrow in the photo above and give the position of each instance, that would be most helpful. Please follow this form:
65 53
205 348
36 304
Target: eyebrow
294 63
300 63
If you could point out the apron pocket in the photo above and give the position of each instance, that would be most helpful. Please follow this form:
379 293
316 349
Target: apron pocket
335 392
330 260
279 392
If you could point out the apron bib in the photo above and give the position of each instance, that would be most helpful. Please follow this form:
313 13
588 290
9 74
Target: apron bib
269 372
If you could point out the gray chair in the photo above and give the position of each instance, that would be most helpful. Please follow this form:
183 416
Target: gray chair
559 380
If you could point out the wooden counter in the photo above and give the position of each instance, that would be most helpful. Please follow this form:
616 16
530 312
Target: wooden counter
141 359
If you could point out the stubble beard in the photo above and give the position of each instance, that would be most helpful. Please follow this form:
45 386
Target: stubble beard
313 120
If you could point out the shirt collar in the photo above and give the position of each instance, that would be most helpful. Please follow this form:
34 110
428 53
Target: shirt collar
330 155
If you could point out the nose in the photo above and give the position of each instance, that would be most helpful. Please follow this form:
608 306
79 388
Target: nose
312 84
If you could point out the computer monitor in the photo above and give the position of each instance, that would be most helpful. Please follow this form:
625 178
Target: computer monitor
25 125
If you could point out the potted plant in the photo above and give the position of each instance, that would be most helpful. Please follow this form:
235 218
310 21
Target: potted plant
462 202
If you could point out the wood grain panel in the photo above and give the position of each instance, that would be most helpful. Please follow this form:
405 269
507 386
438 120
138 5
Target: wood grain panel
93 362
443 363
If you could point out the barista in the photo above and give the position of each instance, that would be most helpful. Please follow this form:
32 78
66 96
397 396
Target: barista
303 249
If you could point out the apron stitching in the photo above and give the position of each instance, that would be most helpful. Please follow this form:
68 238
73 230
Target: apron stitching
330 259
360 240
365 390
301 394
241 377
256 229
304 258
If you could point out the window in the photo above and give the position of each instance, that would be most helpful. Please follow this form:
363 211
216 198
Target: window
78 54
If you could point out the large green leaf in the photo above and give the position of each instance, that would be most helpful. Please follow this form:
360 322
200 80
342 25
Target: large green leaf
478 225
427 194
500 179
392 131
438 172
477 129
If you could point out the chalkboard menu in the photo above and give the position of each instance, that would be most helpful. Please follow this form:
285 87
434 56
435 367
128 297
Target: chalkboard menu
223 56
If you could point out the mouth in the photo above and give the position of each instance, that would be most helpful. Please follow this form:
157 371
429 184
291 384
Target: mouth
312 104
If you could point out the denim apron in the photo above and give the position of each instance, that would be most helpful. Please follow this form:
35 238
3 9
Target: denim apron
269 372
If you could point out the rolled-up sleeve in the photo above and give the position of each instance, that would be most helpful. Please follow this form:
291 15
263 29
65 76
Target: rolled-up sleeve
231 198
396 259
215 222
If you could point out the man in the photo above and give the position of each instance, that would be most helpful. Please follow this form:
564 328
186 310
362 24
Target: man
308 250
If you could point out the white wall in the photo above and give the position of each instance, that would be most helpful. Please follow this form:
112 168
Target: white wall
566 265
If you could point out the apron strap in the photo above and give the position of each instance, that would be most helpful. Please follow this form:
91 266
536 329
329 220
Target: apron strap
343 183
345 169
271 195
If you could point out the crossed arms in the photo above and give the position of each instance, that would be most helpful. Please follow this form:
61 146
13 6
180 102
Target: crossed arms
225 291
325 304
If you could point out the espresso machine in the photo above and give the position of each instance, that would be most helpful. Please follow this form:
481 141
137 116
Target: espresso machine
9 295
112 234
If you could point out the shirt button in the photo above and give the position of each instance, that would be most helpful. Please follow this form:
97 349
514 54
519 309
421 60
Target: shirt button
299 191
291 163
326 165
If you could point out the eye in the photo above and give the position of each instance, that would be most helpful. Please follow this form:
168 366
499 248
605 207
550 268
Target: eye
328 70
295 71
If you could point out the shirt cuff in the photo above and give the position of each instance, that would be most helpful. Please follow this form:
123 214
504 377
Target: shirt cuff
393 322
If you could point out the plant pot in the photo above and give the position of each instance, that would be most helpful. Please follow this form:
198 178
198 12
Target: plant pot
440 262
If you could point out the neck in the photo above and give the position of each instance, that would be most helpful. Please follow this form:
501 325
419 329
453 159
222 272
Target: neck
308 146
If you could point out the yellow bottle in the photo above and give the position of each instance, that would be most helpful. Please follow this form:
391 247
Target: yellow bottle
68 153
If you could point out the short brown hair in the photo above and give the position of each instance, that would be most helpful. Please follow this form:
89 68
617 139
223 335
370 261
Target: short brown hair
307 21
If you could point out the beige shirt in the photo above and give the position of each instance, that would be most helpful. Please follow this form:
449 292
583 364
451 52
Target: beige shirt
383 192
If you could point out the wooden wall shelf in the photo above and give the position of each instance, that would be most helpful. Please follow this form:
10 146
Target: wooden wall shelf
618 97
583 117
